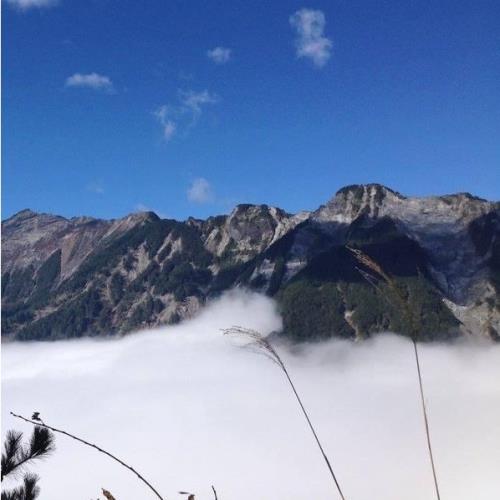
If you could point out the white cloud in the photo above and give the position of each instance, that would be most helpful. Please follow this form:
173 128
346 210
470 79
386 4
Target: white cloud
193 101
219 55
310 42
169 126
200 191
185 113
31 4
188 409
90 80
140 207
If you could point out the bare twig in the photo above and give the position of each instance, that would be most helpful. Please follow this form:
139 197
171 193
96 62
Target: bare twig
264 346
215 493
368 262
121 462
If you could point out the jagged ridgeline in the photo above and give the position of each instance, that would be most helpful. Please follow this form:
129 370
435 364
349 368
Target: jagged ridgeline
76 277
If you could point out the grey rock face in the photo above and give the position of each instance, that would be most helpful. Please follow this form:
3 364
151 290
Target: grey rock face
247 231
442 226
84 276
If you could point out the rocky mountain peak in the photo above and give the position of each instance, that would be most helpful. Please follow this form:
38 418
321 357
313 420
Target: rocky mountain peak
138 217
83 276
24 214
29 217
375 190
246 214
353 201
375 201
246 231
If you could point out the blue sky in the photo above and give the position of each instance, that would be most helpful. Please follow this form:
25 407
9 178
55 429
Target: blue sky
115 106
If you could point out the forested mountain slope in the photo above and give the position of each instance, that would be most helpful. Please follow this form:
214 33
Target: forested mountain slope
65 278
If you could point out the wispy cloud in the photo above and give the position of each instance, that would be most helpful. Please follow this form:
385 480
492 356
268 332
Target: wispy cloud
169 126
90 80
32 4
192 102
219 55
200 191
184 113
310 42
141 207
169 129
95 187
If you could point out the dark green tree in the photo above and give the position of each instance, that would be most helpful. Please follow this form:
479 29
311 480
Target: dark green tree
16 455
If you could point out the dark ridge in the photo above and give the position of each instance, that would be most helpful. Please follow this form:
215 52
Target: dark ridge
241 207
25 213
355 187
465 194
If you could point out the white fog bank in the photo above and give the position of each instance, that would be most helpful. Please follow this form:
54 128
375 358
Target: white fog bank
188 408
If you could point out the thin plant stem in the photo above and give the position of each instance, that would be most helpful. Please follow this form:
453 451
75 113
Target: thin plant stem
369 263
426 421
121 462
215 493
265 347
314 434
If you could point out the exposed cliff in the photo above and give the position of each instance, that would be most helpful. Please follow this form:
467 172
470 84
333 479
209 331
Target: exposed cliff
72 277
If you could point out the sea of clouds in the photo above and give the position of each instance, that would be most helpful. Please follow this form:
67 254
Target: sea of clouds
188 408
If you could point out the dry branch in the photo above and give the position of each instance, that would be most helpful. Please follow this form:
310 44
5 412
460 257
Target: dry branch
121 462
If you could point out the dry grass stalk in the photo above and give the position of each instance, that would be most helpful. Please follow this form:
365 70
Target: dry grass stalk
39 423
262 345
368 262
108 494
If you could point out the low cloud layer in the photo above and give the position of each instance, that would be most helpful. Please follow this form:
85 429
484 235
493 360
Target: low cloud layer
189 408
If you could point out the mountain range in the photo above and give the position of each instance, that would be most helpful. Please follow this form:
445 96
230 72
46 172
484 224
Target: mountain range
66 278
